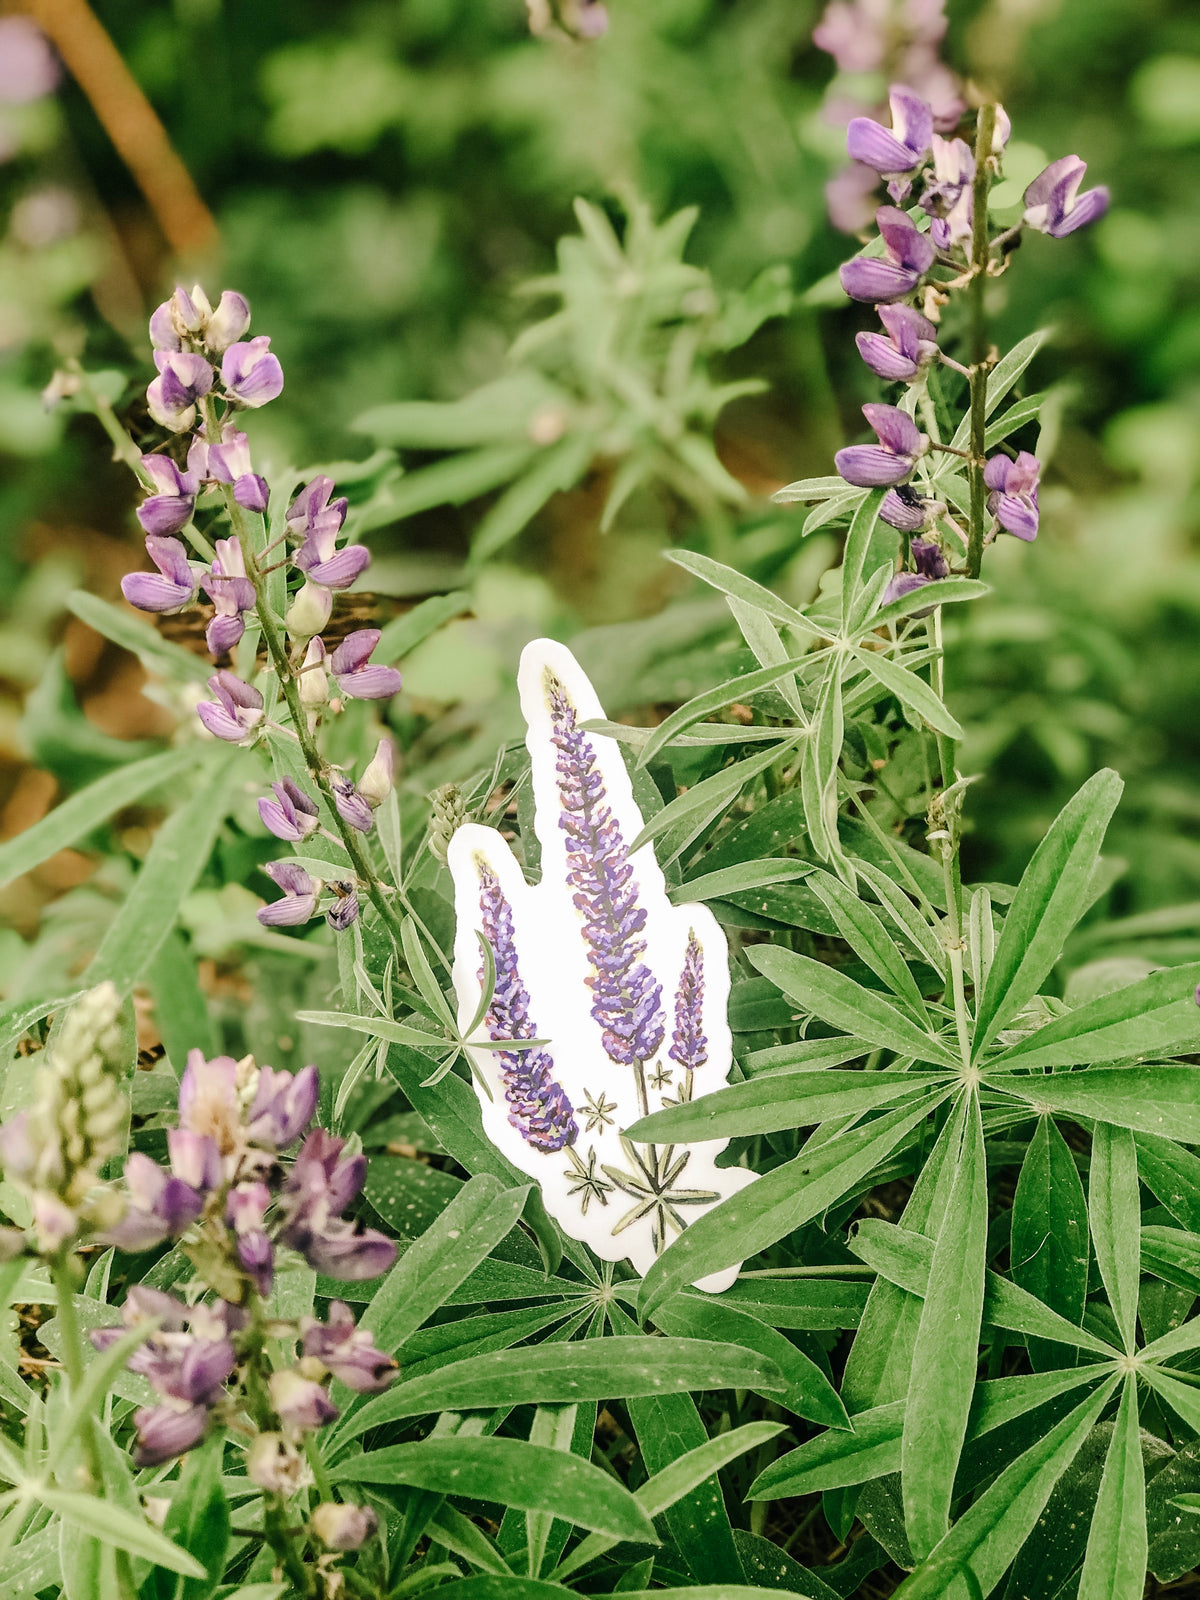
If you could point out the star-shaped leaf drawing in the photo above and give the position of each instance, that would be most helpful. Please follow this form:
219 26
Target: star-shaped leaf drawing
587 1185
651 1185
597 1111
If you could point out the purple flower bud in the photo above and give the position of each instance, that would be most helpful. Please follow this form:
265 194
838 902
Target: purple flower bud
195 1158
284 1105
164 1432
1054 205
340 1526
183 379
348 1351
251 492
892 460
903 508
379 778
1014 497
251 374
299 1402
299 903
909 344
354 676
901 151
344 909
292 815
245 1211
228 322
352 807
172 588
237 711
931 565
907 254
319 1187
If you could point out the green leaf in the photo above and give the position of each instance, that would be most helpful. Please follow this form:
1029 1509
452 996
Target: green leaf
1050 899
1017 415
157 654
532 1477
1181 1397
1003 375
739 879
1114 1567
677 824
837 1459
1172 1255
869 939
85 810
846 1005
1159 1100
730 582
175 860
779 1101
858 540
988 1535
1154 1017
913 693
945 592
566 1373
404 634
724 694
199 1521
1048 1248
1115 1214
771 1208
114 1525
556 467
947 1347
378 1028
1172 1175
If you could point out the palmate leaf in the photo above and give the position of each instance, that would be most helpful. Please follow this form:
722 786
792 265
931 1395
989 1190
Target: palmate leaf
1173 1255
114 1525
1115 1214
869 939
678 823
858 540
1158 1100
532 1477
1153 1017
1114 1567
913 693
947 1347
1050 899
778 1101
766 677
1172 1175
1049 1241
783 1200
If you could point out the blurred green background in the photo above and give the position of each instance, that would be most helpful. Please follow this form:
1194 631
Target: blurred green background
384 178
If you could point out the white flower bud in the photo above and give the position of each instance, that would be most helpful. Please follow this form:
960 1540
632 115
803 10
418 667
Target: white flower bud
309 611
379 778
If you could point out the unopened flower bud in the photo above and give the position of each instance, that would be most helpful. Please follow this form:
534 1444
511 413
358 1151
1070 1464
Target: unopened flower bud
228 322
343 1527
309 611
274 1464
299 1402
379 778
314 684
449 814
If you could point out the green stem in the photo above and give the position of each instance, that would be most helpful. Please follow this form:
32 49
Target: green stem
980 255
276 1523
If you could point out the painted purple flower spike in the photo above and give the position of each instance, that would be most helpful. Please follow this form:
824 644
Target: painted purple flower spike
299 903
931 565
1053 203
183 379
171 507
228 322
237 710
949 197
1014 497
899 153
538 1106
351 666
627 1000
251 374
892 460
908 253
292 815
351 806
909 344
232 593
171 588
284 1105
345 907
905 509
347 1351
689 1046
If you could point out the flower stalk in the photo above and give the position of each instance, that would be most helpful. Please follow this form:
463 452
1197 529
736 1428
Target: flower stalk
985 132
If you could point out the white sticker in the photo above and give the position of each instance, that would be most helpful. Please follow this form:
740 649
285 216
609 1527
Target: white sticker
628 992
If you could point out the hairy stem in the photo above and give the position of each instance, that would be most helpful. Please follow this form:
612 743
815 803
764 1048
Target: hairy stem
980 253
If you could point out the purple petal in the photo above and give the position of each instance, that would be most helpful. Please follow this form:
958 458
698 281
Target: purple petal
224 632
904 510
165 514
1065 169
290 876
1089 207
355 650
219 722
289 912
1023 474
343 912
868 278
251 492
1018 517
874 146
341 570
884 359
150 591
896 429
868 466
908 328
228 322
194 1158
906 244
162 329
311 500
370 683
912 121
164 1433
903 583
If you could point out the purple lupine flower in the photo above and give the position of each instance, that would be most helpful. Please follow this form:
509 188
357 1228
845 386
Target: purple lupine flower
352 807
949 197
344 909
347 1351
312 510
229 462
931 565
340 1525
194 1158
1053 203
172 588
909 344
164 1432
899 153
890 461
627 1001
237 710
299 903
208 1100
250 373
319 1187
160 1206
379 778
318 520
850 197
245 1211
538 1105
299 1402
231 592
183 379
907 254
292 815
228 322
689 1045
905 509
1014 497
284 1105
171 508
353 673
29 69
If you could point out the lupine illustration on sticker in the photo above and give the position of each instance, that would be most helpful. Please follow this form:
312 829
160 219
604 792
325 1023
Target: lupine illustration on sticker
689 1046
